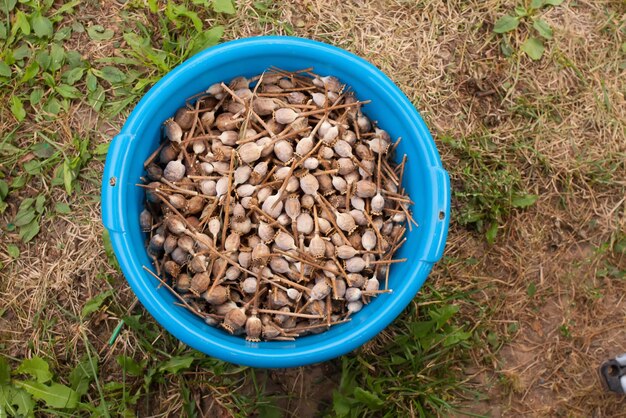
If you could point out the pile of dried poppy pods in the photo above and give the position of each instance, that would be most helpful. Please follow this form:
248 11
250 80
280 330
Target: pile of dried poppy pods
273 207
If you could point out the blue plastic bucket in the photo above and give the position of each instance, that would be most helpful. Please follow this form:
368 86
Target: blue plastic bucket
425 179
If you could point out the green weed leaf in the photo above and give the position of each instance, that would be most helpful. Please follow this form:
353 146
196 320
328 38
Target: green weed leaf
67 91
369 399
130 366
37 368
95 303
30 72
57 57
62 208
17 108
5 371
4 190
5 70
537 4
455 337
24 216
223 6
443 314
13 251
54 395
111 74
505 24
12 397
21 23
531 289
207 39
492 233
42 26
553 2
341 404
533 47
29 231
524 201
543 28
7 5
99 33
73 75
83 374
68 177
175 364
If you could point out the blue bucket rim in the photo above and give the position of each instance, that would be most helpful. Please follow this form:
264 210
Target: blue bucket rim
256 354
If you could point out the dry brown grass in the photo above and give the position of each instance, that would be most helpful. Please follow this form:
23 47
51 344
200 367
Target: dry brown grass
559 123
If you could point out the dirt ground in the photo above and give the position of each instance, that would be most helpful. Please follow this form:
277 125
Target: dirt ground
552 286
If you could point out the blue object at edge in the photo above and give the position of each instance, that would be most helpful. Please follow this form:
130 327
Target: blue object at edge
425 180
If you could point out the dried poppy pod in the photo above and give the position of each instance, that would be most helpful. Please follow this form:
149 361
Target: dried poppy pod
340 287
320 290
173 131
352 294
284 241
340 184
293 207
266 232
354 307
200 282
365 188
326 184
216 295
317 247
344 166
244 258
168 153
174 171
175 225
345 252
273 206
377 204
232 242
249 285
309 184
154 172
285 116
304 224
254 328
239 83
329 252
325 226
260 254
359 217
184 118
355 241
227 122
194 205
234 320
155 245
387 228
242 227
345 222
356 280
304 146
207 119
283 150
172 268
368 240
170 244
264 106
214 226
319 99
279 265
296 97
145 220
182 283
355 265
